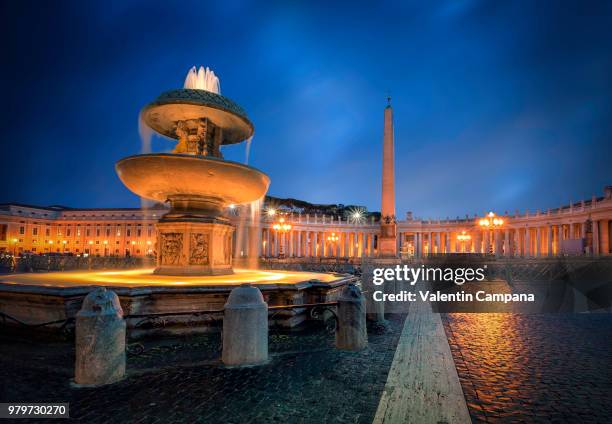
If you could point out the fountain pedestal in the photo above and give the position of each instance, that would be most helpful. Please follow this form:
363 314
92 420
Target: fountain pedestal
194 248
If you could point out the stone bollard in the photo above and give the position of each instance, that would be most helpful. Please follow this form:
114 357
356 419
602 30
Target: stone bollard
245 327
352 332
100 340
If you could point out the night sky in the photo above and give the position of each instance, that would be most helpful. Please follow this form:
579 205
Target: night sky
498 105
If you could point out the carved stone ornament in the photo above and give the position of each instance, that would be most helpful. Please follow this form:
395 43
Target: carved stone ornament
198 249
171 245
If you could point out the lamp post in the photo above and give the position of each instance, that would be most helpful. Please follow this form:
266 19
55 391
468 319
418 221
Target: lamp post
490 222
333 239
281 227
14 246
463 238
105 247
50 246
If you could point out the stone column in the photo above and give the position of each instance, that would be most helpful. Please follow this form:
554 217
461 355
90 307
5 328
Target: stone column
538 249
245 327
291 241
100 340
370 244
517 242
595 227
604 236
507 242
299 243
268 247
324 243
527 242
559 239
549 241
496 243
351 333
315 242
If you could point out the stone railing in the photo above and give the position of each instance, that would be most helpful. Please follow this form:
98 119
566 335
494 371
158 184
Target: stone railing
68 263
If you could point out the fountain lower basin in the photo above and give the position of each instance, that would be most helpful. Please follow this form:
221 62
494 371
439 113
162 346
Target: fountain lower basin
159 304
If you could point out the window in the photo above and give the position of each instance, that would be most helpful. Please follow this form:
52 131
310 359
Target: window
138 232
108 232
22 230
3 231
97 232
47 231
35 231
68 232
87 232
128 232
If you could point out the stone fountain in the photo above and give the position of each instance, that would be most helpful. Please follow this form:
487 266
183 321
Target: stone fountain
193 237
194 251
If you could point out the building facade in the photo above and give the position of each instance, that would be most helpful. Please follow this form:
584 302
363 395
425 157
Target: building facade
579 228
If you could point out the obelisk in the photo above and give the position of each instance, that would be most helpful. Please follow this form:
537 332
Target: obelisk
388 230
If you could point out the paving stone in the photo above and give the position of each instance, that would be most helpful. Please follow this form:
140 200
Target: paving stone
534 368
182 380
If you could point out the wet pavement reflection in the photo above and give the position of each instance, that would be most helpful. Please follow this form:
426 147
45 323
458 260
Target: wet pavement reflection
533 368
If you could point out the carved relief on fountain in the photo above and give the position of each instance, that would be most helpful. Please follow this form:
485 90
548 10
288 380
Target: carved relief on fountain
171 248
198 252
198 137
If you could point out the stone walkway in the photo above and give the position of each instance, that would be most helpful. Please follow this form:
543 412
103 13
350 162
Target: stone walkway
178 381
422 386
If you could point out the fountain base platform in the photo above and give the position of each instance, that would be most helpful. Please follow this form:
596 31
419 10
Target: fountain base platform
158 305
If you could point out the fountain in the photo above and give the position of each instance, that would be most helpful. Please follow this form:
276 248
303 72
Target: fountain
193 237
194 272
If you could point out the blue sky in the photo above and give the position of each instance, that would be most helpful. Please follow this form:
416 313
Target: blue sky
498 105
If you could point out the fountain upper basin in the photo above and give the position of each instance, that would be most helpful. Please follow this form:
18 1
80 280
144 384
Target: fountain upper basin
165 176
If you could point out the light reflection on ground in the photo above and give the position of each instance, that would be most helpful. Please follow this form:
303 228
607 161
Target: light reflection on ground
145 277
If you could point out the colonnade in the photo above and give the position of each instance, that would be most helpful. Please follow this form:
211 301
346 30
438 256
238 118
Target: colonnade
321 243
514 240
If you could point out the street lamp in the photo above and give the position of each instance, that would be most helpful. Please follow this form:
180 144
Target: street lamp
105 242
14 246
490 222
50 246
64 246
333 239
281 227
463 238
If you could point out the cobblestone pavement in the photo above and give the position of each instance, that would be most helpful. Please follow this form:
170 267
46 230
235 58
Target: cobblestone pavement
306 381
534 368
